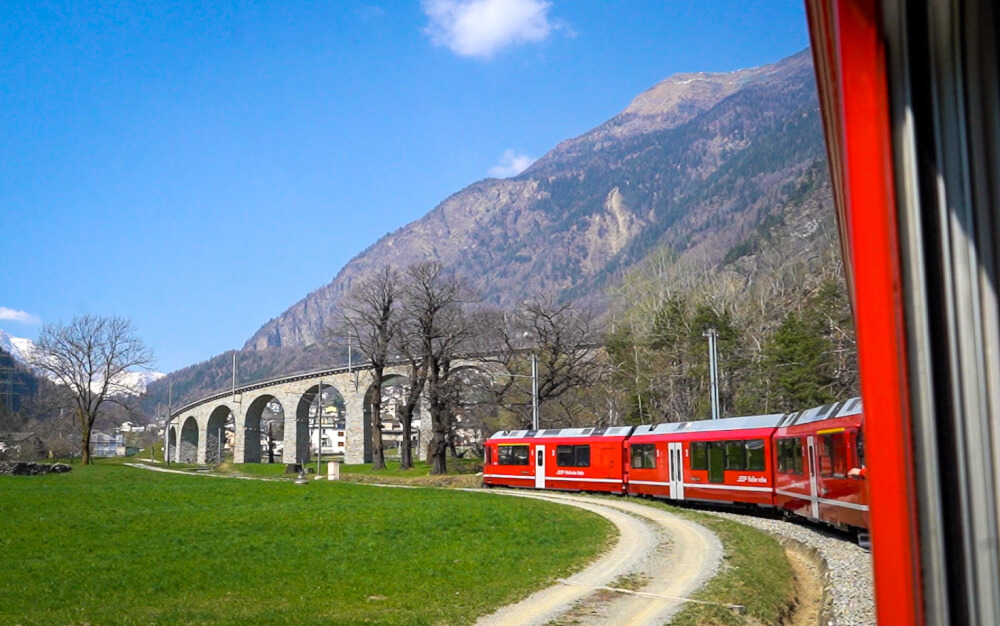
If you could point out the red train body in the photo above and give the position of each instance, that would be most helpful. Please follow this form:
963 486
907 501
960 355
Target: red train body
808 463
575 459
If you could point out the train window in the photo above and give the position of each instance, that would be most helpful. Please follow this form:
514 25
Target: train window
755 454
699 455
832 455
790 455
513 455
489 455
860 445
736 455
825 455
573 456
643 455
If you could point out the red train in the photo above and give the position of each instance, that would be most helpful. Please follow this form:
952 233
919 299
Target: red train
809 463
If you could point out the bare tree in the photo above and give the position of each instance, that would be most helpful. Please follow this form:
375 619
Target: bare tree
370 316
566 341
409 345
90 357
435 301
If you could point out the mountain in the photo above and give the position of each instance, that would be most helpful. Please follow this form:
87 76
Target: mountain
18 347
700 163
717 167
22 350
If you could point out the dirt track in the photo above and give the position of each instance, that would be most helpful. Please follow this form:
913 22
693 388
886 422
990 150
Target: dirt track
660 557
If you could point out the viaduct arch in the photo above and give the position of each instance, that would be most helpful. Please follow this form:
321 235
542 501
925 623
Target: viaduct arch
194 432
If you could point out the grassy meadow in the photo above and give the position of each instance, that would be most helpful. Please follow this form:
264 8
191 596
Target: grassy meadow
108 544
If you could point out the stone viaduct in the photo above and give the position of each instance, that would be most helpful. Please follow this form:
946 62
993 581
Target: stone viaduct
192 432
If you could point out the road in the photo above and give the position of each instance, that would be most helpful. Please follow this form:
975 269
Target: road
660 557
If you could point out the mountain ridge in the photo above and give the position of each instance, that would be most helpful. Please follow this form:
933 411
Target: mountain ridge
600 199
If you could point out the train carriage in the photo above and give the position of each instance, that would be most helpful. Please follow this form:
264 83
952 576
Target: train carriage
574 459
727 460
819 462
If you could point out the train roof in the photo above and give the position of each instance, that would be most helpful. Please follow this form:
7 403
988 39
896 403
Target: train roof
728 423
827 411
605 431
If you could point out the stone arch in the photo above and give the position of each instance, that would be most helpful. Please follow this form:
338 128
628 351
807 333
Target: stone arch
171 451
220 424
472 411
392 429
189 441
259 416
388 380
331 428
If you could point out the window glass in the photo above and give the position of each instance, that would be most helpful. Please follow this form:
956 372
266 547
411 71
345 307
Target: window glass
699 455
512 455
860 444
735 455
489 455
755 454
573 456
643 456
564 456
790 455
825 455
839 455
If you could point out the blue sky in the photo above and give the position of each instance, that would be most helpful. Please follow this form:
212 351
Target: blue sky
199 169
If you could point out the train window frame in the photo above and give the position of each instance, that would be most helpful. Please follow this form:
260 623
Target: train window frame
644 453
756 455
824 456
569 455
790 455
832 455
736 455
513 454
698 450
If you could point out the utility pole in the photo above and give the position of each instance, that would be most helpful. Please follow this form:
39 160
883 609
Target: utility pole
534 391
713 365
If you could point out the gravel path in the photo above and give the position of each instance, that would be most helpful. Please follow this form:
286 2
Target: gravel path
849 586
660 558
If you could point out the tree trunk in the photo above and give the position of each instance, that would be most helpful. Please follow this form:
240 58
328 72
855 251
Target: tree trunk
405 449
270 444
438 448
378 454
86 426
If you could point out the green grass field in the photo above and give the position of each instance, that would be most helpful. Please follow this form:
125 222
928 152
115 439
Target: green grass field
108 544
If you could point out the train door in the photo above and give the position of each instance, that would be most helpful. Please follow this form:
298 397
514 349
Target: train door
539 467
675 467
813 498
716 462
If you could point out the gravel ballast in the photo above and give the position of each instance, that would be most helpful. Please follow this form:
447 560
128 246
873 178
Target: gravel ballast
849 585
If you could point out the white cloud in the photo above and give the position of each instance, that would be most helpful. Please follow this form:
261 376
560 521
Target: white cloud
511 164
479 28
18 316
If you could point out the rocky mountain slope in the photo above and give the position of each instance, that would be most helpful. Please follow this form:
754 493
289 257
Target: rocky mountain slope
710 165
697 163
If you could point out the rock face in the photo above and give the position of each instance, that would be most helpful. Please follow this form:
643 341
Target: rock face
698 163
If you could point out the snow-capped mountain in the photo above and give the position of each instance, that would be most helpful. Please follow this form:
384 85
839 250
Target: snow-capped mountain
132 383
18 347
